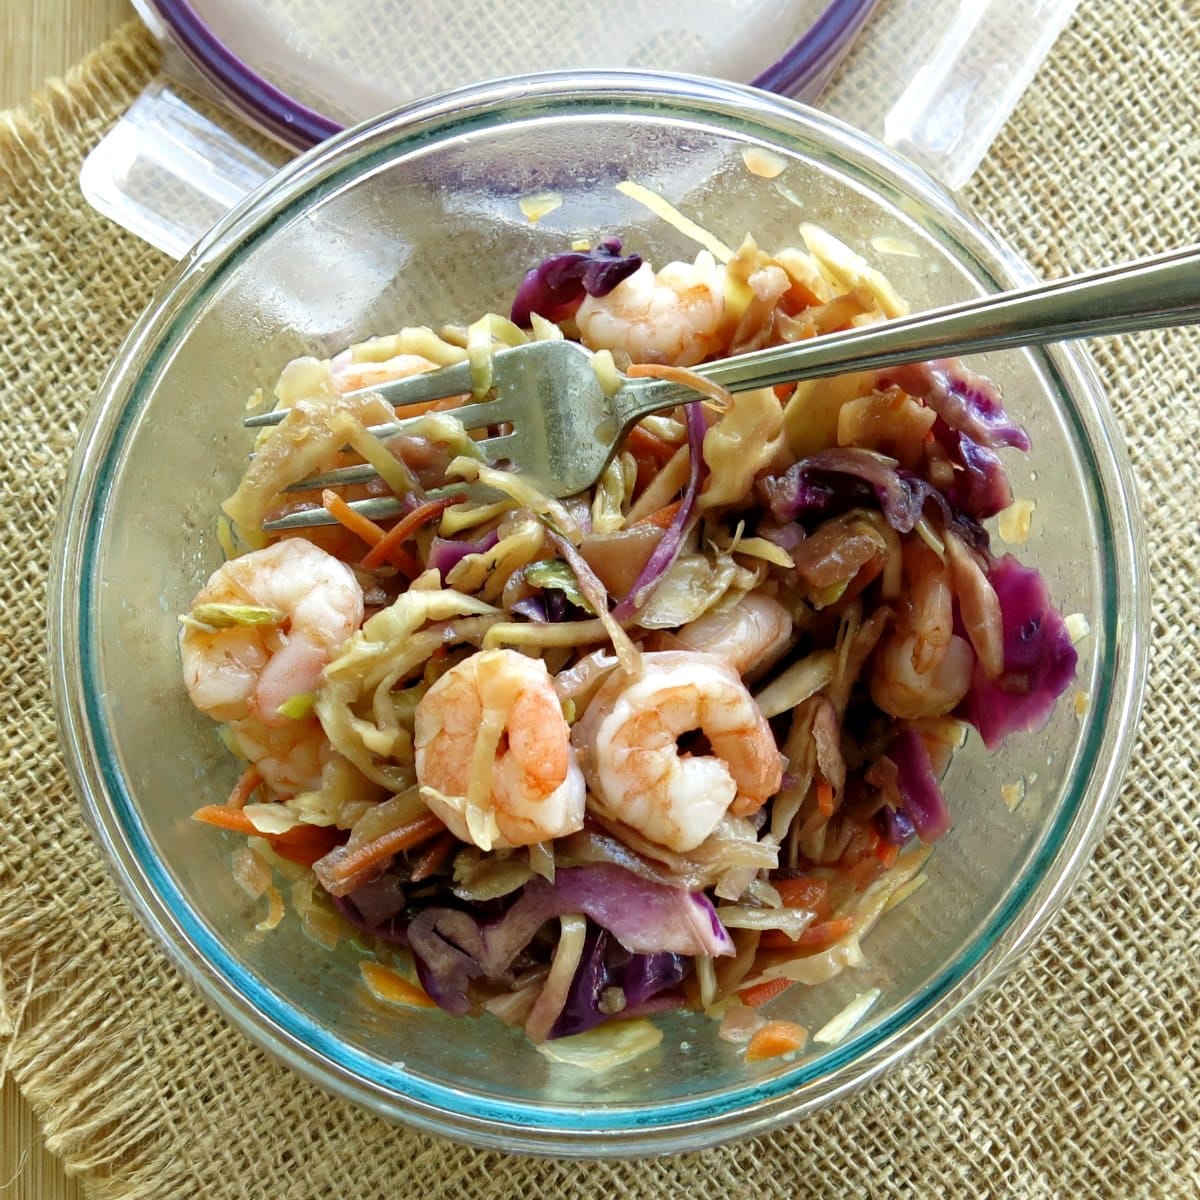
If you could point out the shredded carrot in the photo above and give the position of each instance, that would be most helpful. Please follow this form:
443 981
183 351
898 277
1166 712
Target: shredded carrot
344 864
306 843
244 788
760 993
818 936
708 388
337 508
302 844
825 797
864 872
441 404
887 853
391 987
641 443
805 892
430 859
662 518
382 550
224 817
775 1038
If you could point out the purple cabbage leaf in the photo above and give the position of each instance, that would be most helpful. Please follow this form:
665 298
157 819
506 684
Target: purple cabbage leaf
645 981
377 908
452 948
665 553
555 288
970 404
981 488
446 553
1039 658
924 805
834 480
895 825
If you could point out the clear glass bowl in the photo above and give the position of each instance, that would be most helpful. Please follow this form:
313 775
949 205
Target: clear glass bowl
413 218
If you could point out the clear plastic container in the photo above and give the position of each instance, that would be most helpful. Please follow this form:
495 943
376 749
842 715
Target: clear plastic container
299 71
304 69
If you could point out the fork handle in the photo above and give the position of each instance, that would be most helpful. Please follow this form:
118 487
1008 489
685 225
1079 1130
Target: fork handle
1149 293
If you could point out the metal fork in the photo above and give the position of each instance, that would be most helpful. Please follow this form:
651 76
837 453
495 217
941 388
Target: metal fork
565 428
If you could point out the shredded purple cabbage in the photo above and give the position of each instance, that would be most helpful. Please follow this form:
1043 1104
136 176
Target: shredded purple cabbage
786 537
895 825
533 607
607 964
1039 658
550 605
970 404
451 948
555 288
664 554
924 804
834 480
446 553
980 488
377 908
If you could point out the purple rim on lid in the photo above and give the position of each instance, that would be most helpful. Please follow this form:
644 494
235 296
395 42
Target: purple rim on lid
799 73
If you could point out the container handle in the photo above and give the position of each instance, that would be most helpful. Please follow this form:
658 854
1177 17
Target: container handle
167 172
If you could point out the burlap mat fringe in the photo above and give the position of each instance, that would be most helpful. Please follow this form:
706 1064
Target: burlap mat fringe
1079 1078
49 121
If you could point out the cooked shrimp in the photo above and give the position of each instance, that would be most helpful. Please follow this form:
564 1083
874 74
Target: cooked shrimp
750 636
629 749
308 603
922 668
349 375
675 316
493 754
290 758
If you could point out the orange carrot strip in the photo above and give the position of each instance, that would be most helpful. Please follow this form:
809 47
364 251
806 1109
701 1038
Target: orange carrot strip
441 404
641 443
825 797
245 787
337 508
430 859
864 872
222 817
403 561
775 1038
681 375
382 550
760 993
662 517
818 936
342 865
887 853
302 844
306 843
391 987
804 892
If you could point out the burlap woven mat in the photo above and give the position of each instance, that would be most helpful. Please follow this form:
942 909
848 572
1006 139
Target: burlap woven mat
1080 1077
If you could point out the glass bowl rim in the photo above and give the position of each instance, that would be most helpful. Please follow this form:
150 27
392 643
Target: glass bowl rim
268 1018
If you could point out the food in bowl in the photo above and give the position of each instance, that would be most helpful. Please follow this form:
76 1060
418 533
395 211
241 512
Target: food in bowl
675 741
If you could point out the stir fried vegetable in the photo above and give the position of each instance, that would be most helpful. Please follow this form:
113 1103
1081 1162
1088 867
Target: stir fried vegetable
675 742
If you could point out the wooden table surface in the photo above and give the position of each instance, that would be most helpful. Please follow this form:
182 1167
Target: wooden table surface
40 39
